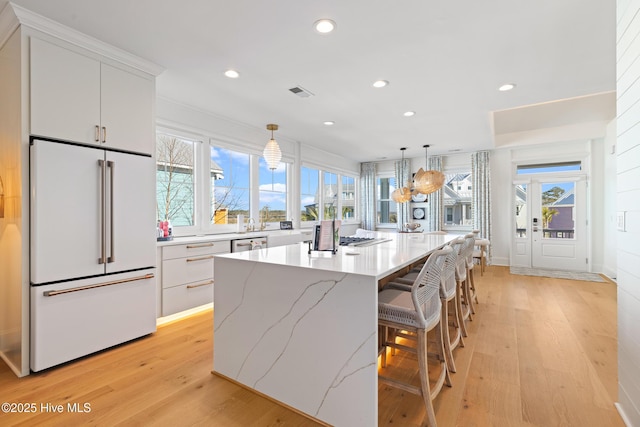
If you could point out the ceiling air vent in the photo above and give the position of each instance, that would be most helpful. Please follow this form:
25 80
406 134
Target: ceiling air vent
301 92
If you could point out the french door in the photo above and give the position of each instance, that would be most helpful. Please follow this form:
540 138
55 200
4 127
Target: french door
551 224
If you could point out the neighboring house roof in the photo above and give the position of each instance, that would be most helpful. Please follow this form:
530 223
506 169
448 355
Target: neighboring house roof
567 199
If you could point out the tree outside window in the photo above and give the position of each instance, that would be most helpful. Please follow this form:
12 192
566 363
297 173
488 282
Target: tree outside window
229 174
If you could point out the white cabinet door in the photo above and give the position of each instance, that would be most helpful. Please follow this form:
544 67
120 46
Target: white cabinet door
127 110
80 99
131 182
65 93
65 211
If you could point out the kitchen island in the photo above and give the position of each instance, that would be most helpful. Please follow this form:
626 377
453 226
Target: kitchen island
302 328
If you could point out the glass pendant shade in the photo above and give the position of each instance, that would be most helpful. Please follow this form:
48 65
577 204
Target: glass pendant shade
271 152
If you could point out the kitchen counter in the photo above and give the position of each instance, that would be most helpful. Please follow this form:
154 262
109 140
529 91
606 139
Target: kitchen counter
303 328
180 240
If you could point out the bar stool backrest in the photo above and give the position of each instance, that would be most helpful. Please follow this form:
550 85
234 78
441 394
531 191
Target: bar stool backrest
449 273
425 291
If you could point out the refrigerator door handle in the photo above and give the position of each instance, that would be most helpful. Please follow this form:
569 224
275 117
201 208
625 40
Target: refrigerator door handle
98 285
103 231
111 165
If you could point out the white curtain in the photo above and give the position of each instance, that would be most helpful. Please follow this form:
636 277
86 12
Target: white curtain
403 178
368 195
434 200
481 196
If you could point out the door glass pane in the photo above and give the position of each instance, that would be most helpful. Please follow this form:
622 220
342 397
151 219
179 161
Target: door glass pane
521 210
175 185
558 210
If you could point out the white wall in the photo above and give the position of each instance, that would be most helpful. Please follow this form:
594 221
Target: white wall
609 238
628 201
251 138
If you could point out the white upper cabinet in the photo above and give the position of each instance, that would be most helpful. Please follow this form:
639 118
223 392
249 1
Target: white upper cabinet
78 98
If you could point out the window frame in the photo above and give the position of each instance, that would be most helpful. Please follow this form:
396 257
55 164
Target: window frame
384 225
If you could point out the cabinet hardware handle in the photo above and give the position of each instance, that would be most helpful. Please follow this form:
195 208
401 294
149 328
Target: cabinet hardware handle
204 245
97 135
103 232
104 134
111 165
98 285
249 244
199 259
207 283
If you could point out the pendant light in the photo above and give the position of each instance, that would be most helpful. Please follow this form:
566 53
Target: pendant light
271 152
427 181
401 194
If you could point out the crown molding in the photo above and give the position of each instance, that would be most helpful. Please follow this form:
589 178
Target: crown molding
13 15
8 23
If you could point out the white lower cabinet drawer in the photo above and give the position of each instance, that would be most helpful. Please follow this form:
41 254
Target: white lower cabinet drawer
186 270
73 319
184 297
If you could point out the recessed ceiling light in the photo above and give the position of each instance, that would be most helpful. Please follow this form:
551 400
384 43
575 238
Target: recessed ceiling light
506 87
324 26
409 113
329 123
232 74
380 83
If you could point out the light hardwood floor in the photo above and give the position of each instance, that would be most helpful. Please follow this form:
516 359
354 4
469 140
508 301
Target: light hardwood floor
540 352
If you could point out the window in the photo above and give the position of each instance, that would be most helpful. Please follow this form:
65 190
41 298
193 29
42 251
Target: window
550 167
309 185
387 208
457 201
330 195
175 182
230 189
273 192
348 198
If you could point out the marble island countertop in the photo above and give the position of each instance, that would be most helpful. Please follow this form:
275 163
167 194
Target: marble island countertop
393 252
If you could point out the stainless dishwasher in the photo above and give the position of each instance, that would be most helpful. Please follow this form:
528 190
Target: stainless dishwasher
248 244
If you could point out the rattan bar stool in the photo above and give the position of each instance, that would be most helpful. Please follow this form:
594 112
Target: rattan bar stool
461 246
480 252
470 284
449 296
419 312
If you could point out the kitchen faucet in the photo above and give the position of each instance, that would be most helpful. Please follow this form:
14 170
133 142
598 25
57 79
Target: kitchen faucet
251 224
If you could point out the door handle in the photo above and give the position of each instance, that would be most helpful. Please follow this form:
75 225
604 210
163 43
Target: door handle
103 232
111 165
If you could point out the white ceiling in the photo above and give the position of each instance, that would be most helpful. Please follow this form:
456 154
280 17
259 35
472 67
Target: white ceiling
443 59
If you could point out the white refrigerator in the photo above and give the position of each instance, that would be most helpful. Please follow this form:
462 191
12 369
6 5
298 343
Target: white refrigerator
92 249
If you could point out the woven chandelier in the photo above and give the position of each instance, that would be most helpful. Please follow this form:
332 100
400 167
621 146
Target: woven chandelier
401 194
427 181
